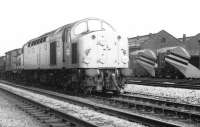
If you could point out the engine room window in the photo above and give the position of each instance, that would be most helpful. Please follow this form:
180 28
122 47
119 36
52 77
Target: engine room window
23 50
41 39
81 28
58 44
45 47
29 44
33 50
44 39
29 51
94 25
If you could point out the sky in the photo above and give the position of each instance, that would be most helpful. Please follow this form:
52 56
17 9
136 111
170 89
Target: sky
22 20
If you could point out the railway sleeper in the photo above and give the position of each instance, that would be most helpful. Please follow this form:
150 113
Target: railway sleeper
43 115
170 113
184 116
173 111
172 107
196 119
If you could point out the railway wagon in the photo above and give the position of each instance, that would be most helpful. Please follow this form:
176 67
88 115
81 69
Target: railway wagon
174 62
11 62
166 70
170 62
87 55
11 59
2 65
143 62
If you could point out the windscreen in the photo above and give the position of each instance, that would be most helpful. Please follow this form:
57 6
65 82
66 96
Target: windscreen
91 26
94 25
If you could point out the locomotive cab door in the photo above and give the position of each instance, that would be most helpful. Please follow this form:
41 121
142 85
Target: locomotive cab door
53 53
66 38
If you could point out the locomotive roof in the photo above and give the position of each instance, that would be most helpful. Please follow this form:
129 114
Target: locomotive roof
46 34
68 26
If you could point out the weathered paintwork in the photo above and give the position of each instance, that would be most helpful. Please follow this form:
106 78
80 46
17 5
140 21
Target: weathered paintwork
95 49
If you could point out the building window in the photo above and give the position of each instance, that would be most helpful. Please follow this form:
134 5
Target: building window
163 40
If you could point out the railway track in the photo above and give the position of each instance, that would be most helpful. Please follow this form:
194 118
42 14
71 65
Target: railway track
166 106
124 114
163 109
175 83
92 118
48 117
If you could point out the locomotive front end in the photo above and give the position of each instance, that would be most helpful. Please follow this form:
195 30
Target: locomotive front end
102 49
102 54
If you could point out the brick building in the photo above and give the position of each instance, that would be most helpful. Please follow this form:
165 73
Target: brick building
153 41
192 45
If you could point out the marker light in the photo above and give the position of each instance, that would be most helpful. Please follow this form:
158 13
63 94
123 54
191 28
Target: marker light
93 37
119 37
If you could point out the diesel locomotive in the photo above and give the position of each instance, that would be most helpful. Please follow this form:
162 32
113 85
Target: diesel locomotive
84 56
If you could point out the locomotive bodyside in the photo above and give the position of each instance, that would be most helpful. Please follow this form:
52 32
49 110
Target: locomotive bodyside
101 48
37 53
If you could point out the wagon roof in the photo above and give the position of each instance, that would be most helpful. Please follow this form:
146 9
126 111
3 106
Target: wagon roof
1 57
12 50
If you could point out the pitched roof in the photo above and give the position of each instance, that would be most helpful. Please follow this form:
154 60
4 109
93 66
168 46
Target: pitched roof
140 39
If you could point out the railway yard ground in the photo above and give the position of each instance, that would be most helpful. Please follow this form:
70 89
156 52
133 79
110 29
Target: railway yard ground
180 95
140 106
79 112
11 116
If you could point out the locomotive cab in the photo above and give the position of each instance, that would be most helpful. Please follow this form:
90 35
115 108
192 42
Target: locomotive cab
99 45
100 52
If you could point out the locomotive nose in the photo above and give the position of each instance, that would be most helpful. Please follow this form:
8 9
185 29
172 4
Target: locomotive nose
103 50
107 50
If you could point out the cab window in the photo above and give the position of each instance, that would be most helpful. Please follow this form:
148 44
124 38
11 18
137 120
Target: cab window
81 28
94 25
106 27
